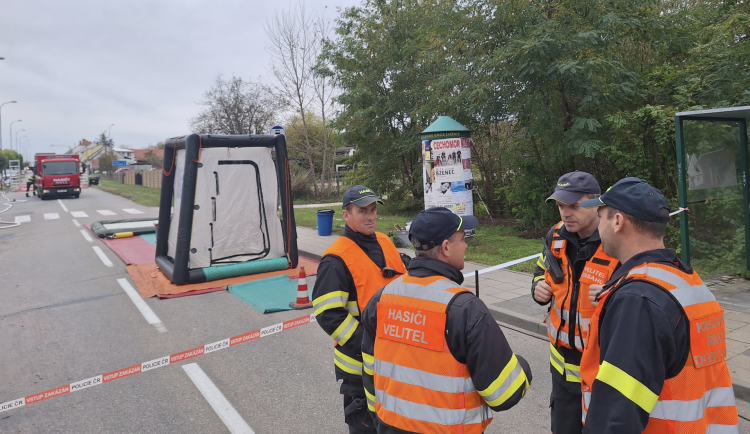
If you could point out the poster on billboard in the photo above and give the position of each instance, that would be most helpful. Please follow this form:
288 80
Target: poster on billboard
448 181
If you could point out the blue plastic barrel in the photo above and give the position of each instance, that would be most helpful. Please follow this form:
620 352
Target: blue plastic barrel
325 221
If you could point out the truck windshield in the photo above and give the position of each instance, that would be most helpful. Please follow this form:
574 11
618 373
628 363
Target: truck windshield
60 168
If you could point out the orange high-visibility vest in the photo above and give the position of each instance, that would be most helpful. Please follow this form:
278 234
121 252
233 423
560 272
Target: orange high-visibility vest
597 270
368 278
419 385
701 395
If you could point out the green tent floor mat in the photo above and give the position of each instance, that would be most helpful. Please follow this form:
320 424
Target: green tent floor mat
268 295
151 238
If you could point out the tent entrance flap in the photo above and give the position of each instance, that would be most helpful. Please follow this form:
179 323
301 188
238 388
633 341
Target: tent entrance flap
254 242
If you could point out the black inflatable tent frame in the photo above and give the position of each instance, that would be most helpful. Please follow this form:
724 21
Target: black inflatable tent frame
176 269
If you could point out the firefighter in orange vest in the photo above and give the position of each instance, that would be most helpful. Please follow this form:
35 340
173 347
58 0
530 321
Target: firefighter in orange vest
655 360
355 266
572 260
435 361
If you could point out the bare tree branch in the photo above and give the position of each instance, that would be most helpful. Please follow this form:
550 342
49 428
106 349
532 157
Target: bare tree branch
236 106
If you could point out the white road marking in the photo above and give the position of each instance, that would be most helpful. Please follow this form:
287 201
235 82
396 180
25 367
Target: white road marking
102 256
75 222
132 211
51 216
141 305
23 218
62 205
106 212
78 214
86 235
216 399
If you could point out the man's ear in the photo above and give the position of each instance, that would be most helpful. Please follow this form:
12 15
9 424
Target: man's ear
345 214
619 221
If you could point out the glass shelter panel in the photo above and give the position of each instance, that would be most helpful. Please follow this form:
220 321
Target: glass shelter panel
713 159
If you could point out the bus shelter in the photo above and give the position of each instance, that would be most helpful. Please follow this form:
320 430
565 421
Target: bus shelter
712 175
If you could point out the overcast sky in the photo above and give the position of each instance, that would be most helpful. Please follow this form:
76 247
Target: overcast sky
77 66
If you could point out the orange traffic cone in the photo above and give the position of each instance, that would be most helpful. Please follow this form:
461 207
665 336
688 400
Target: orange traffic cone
303 300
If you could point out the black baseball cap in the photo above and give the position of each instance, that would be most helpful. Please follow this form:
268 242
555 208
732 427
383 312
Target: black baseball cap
633 196
361 196
434 225
572 186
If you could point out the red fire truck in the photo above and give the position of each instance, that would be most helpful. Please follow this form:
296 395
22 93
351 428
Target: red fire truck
57 175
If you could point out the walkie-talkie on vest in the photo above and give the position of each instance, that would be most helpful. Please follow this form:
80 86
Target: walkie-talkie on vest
552 263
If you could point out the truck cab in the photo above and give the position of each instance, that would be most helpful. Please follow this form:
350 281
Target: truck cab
57 175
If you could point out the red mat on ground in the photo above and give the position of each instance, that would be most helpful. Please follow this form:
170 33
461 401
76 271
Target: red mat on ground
151 282
133 250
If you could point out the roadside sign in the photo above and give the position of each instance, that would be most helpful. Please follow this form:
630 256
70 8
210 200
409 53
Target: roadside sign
276 130
117 163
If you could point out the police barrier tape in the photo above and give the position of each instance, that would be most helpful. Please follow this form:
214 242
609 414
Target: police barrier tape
157 363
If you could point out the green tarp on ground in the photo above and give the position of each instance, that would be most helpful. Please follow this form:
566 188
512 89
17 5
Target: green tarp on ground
267 295
151 238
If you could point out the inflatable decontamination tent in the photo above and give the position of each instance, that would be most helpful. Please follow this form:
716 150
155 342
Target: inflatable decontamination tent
226 192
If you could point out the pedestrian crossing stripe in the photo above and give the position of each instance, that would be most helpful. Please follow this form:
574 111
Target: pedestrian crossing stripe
132 211
23 218
78 214
51 216
106 212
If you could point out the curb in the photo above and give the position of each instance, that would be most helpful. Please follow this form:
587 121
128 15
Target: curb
313 256
741 390
518 320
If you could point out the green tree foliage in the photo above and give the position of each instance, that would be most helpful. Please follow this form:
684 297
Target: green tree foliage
309 146
546 88
6 155
389 62
105 162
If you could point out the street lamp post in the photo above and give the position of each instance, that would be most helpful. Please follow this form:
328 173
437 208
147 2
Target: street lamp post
1 123
109 133
11 143
17 138
10 135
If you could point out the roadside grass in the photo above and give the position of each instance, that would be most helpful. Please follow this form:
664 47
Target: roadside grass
137 193
492 244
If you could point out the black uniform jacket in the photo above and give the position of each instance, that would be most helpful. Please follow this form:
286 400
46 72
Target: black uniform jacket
333 275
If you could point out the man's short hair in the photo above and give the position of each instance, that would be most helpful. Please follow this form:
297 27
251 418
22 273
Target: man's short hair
432 253
652 229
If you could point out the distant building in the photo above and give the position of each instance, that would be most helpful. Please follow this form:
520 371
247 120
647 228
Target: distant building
347 151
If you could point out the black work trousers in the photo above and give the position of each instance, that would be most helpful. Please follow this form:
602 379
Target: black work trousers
565 405
357 416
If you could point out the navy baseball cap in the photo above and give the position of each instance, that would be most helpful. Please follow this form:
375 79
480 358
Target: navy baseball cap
434 225
633 196
361 196
572 186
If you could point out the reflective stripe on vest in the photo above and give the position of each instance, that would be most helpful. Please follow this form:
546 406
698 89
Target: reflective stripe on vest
676 410
564 336
416 377
428 413
686 294
688 411
564 314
